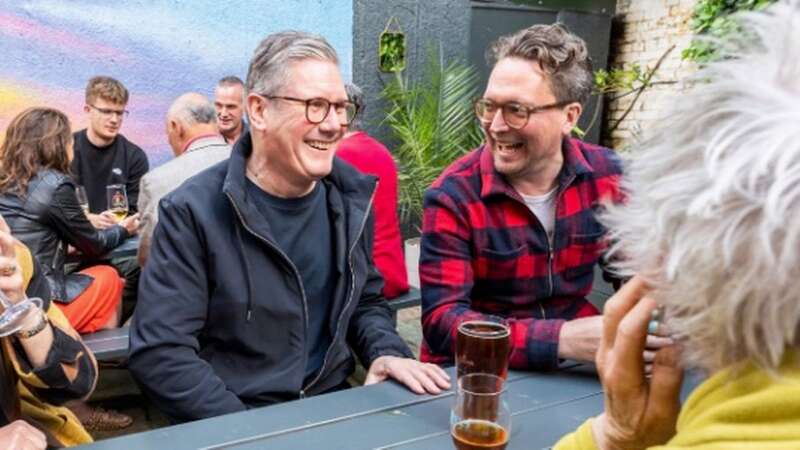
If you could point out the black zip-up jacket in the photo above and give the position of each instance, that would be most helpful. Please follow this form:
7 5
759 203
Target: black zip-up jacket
46 219
221 319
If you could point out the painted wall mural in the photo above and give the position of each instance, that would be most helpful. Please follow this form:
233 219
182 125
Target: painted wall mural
158 49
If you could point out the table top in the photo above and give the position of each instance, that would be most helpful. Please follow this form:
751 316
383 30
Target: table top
544 407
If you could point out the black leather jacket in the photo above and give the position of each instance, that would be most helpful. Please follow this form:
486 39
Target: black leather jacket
46 220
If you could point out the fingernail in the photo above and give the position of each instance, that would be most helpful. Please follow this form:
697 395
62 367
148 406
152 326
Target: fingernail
652 326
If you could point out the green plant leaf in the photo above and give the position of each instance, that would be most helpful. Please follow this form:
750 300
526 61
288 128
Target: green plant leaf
432 121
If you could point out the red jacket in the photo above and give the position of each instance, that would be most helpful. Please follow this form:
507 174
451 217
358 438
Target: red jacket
371 157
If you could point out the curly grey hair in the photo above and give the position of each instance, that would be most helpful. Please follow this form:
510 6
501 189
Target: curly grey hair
713 213
560 54
267 72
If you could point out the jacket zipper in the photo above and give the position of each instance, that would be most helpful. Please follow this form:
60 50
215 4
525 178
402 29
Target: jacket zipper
291 264
349 297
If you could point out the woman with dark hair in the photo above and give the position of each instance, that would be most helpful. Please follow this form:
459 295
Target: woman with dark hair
37 198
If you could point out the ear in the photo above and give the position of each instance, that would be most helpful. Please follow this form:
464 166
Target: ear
86 108
573 113
256 111
175 127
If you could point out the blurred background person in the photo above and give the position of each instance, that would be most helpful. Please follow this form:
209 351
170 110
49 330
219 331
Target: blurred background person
369 156
229 103
37 199
712 225
195 140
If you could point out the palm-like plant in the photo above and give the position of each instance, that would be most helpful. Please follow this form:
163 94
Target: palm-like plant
432 124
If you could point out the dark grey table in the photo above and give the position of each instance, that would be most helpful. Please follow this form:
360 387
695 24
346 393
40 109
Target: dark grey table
545 406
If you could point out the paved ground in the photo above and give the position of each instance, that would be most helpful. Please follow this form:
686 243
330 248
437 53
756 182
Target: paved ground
117 390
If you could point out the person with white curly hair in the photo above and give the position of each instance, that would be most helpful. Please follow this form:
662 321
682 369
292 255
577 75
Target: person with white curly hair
712 228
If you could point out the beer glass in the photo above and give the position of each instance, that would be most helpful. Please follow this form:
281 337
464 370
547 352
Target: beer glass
14 313
117 200
480 418
83 199
483 346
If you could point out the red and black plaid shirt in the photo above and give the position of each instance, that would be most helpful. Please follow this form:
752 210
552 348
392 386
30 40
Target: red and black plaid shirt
485 253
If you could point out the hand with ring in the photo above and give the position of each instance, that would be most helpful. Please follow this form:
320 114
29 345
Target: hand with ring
10 273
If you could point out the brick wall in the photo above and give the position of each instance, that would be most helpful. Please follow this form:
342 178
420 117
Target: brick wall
645 30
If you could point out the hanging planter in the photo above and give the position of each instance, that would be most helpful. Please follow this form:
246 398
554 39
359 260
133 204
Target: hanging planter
392 47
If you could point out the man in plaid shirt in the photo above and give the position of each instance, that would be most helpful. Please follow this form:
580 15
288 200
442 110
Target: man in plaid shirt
509 230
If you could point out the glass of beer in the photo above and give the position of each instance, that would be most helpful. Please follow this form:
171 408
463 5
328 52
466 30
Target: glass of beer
480 418
83 199
117 200
483 346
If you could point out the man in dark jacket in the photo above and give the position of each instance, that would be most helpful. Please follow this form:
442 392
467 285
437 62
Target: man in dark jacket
260 278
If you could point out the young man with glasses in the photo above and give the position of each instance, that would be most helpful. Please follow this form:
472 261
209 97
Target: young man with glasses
260 284
509 230
103 156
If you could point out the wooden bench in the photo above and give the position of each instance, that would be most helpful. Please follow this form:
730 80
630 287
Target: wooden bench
408 300
108 344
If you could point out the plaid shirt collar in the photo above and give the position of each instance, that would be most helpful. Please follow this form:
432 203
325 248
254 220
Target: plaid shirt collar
493 183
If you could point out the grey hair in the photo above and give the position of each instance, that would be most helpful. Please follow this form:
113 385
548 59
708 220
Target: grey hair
268 67
712 219
230 80
192 108
356 96
560 54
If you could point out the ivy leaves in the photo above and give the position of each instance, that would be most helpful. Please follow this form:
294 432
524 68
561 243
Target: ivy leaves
712 18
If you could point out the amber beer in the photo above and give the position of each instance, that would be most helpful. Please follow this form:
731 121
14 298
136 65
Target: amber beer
483 347
479 435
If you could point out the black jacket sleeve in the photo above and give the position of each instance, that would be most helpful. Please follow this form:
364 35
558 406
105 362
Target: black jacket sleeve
372 331
138 167
66 216
170 316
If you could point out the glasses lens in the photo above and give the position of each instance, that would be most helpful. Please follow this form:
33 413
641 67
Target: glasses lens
350 110
317 109
515 115
485 110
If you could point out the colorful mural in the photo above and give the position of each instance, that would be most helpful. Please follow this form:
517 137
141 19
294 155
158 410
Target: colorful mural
158 49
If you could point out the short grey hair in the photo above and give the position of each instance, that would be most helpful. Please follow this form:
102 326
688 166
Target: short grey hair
712 219
192 108
356 96
268 67
561 55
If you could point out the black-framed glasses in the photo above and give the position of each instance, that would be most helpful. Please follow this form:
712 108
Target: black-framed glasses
515 114
109 112
317 109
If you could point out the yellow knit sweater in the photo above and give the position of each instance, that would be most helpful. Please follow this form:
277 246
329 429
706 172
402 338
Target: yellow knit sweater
750 410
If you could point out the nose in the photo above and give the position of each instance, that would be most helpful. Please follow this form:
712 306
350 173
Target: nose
332 123
498 123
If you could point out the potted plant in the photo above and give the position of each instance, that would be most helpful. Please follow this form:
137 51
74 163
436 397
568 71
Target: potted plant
431 124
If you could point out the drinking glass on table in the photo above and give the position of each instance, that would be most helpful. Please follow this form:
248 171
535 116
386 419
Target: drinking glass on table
83 199
117 201
483 346
480 418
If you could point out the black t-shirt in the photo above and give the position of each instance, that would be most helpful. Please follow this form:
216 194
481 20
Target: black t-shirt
96 167
292 221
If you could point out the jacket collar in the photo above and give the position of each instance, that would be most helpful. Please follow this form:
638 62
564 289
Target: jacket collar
494 183
349 191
